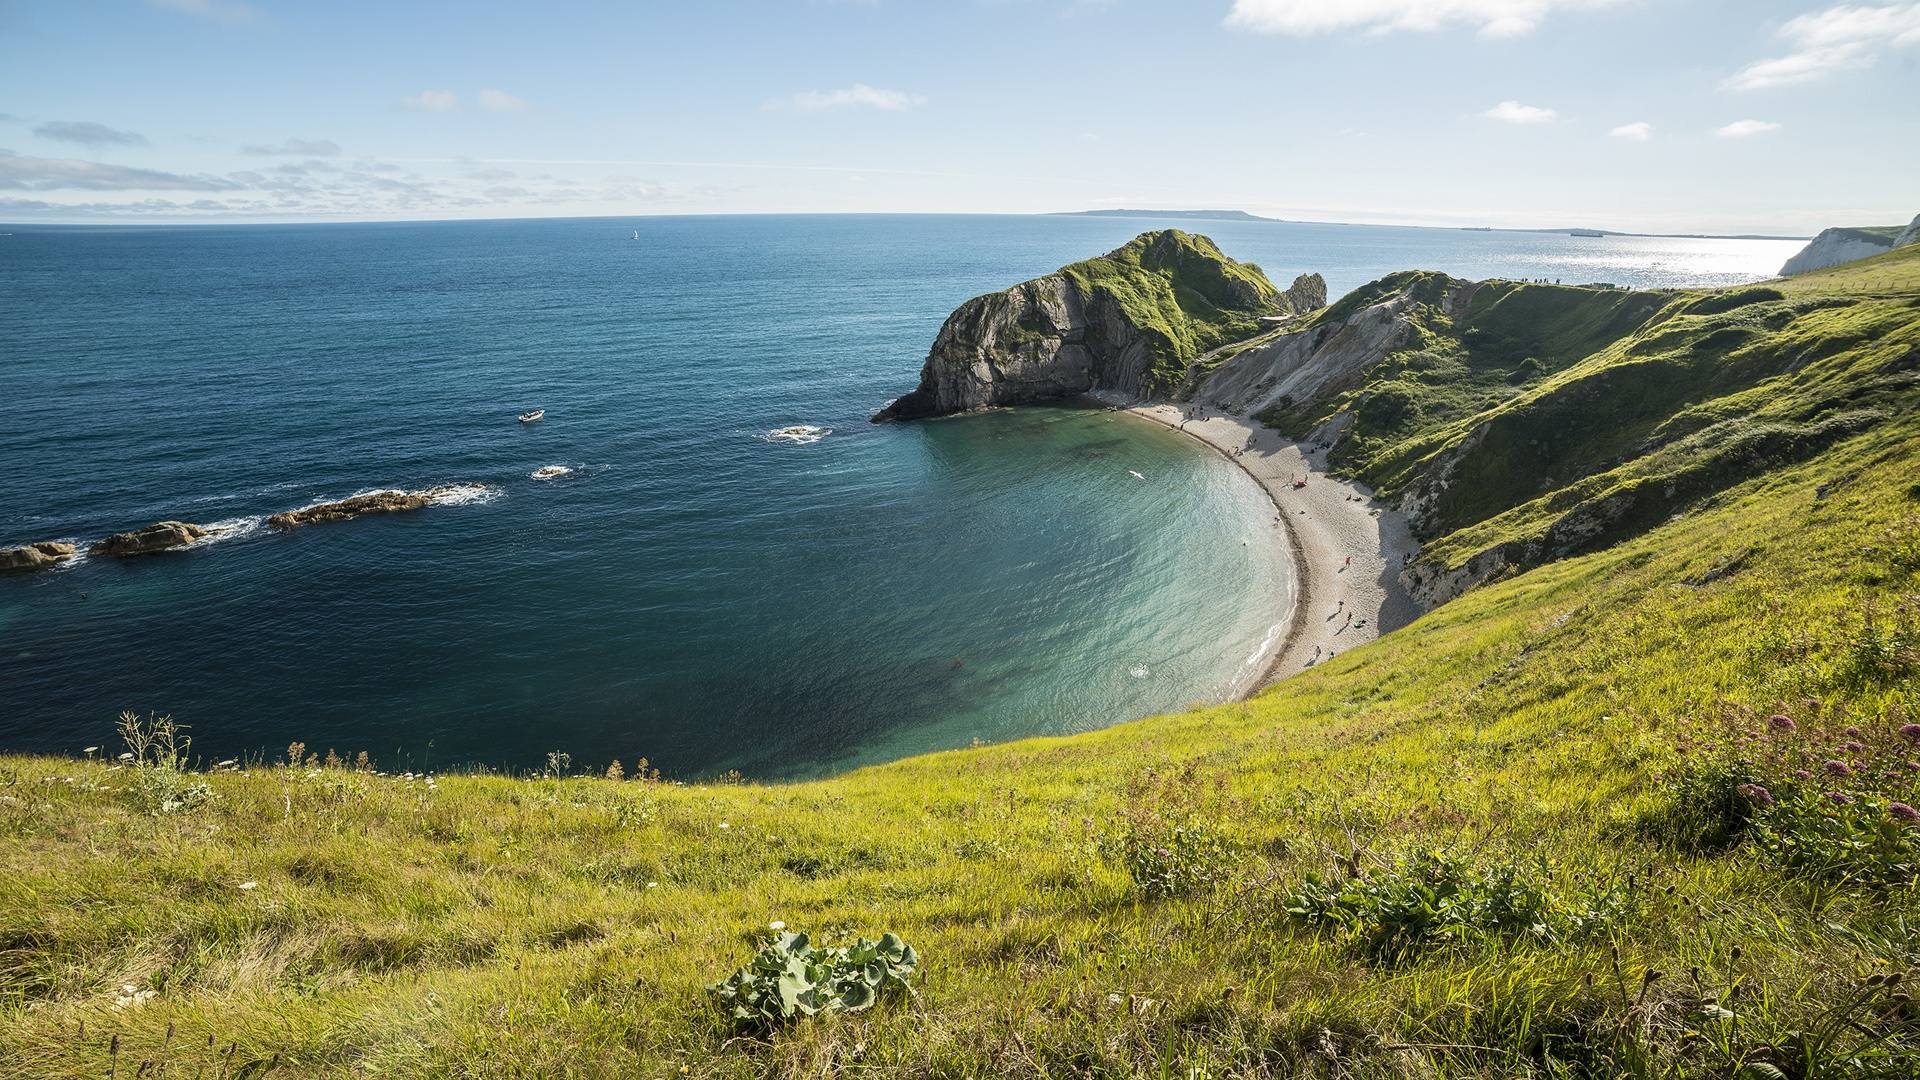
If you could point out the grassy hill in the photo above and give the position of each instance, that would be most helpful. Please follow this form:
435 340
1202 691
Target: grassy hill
1554 828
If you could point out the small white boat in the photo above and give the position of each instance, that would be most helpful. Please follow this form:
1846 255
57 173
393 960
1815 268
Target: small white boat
530 417
636 234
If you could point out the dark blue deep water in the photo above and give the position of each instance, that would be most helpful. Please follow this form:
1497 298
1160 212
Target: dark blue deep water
692 590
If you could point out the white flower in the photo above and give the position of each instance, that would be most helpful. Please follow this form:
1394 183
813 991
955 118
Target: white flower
91 750
249 886
126 757
724 825
776 925
653 884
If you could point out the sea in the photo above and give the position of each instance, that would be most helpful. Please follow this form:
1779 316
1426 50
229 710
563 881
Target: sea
703 554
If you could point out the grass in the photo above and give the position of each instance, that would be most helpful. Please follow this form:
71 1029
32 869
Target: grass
1181 292
1340 877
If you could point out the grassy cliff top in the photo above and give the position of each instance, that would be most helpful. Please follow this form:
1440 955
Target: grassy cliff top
1518 837
1182 290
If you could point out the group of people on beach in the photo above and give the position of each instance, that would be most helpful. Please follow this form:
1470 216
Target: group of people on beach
1192 412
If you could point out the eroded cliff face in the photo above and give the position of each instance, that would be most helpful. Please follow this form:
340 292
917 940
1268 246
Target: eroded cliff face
1131 321
1833 247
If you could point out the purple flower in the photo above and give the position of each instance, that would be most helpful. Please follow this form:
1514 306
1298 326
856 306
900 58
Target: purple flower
1756 793
1782 722
1853 747
1838 768
1911 731
1854 731
1840 797
1903 812
1802 774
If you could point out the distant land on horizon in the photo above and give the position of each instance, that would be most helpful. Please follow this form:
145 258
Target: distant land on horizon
1242 215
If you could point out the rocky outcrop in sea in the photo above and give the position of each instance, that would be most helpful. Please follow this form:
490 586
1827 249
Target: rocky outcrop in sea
160 536
372 502
1132 321
38 556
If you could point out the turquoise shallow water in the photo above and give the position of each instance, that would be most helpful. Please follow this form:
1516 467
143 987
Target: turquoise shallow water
693 591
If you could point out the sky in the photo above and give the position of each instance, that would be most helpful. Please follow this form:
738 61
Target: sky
1727 116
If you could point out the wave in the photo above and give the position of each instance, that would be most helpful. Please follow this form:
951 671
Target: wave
462 494
231 529
798 434
551 472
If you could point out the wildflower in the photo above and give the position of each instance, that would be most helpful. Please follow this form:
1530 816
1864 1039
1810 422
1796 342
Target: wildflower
1852 747
249 886
724 825
1903 812
1756 793
126 757
777 925
91 750
1782 722
1911 731
653 884
1802 774
1838 768
1853 731
1840 797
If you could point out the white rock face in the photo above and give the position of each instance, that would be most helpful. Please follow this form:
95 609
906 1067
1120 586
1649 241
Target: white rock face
1310 364
1833 247
1909 235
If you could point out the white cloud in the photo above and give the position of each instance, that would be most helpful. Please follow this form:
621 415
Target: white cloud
859 95
88 133
21 173
296 147
1512 112
433 101
1639 131
1742 129
1843 38
500 101
1493 18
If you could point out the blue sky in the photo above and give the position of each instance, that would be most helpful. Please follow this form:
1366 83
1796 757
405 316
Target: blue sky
1658 115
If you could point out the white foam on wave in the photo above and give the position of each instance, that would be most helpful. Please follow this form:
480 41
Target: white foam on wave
464 494
231 529
798 434
551 472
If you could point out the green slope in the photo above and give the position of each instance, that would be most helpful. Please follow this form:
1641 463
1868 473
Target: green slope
1244 890
1182 291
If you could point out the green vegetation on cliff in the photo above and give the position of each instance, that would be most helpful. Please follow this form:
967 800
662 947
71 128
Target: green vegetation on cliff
1538 420
1182 292
1557 827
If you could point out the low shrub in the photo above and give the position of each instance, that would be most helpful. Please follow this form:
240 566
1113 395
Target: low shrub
789 979
1435 900
1169 840
1815 796
157 749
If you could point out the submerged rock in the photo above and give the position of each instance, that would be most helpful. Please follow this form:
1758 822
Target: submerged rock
160 536
34 556
1133 321
375 502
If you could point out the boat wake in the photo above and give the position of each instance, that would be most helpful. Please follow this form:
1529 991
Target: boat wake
798 434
